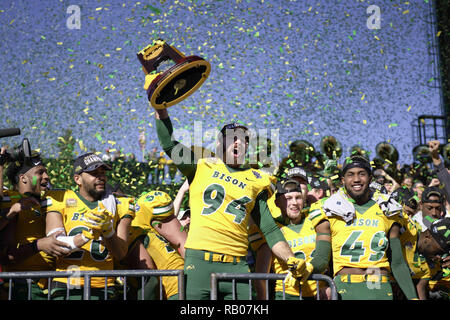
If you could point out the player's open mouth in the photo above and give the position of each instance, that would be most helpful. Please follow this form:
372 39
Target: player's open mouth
357 187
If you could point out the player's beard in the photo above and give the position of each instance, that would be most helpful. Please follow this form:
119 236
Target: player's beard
360 198
96 194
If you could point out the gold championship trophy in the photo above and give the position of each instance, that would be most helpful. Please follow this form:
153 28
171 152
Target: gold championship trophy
164 89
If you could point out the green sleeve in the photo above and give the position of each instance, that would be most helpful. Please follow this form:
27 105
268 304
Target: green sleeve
263 218
321 256
400 269
182 156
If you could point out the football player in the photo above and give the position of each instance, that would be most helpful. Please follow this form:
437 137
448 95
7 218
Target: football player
23 218
288 205
358 231
222 197
94 226
157 230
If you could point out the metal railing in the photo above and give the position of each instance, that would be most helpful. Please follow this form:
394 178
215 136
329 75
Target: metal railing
215 277
8 277
88 275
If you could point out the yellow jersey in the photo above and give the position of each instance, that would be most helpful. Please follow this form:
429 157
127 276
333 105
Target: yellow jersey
93 255
165 258
152 207
302 241
361 243
30 226
221 200
409 237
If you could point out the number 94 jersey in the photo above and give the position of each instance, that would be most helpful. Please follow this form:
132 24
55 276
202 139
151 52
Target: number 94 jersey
361 243
221 200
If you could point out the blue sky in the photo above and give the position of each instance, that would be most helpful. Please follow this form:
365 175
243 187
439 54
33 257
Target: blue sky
307 68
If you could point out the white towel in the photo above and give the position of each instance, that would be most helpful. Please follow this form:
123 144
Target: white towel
339 205
387 204
109 200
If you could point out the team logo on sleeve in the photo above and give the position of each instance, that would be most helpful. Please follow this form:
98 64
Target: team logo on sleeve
71 202
257 175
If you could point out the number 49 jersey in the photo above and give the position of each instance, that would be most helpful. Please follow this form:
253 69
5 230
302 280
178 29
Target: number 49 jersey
361 243
221 201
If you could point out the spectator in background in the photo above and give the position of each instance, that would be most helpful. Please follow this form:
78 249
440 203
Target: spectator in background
432 204
319 190
418 188
441 172
160 168
107 156
152 160
407 181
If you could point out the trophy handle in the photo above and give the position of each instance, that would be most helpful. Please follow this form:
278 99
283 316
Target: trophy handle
152 55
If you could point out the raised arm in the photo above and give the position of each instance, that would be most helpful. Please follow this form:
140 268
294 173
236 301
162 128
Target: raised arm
182 156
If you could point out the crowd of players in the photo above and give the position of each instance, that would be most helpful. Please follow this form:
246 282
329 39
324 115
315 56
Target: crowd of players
96 226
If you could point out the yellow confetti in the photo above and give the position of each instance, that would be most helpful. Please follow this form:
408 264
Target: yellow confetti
409 108
363 96
406 11
111 142
311 122
365 121
51 79
98 9
438 34
107 55
12 21
376 37
59 43
118 49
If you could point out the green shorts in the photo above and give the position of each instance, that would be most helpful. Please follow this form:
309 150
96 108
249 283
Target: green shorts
365 290
198 271
20 292
60 293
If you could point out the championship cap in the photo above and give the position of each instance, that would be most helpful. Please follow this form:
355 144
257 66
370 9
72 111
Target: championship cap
88 162
287 186
297 172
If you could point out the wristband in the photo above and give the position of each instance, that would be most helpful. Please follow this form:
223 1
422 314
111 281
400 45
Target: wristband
35 246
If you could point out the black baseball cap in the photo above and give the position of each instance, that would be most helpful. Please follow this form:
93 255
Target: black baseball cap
432 191
232 126
88 162
287 186
297 172
318 182
440 230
